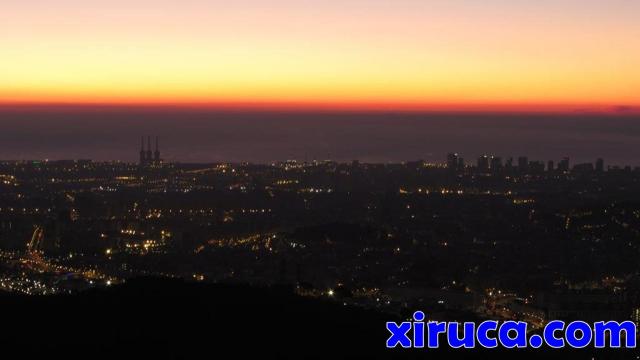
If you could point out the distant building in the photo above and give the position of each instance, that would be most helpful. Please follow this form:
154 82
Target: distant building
496 164
483 164
563 165
550 166
536 167
149 155
452 161
143 154
523 164
583 168
149 158
600 165
509 164
156 154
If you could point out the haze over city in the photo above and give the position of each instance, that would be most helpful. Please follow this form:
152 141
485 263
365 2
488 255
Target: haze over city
264 137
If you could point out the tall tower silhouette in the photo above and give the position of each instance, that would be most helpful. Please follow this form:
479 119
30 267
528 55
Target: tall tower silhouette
156 154
149 157
142 153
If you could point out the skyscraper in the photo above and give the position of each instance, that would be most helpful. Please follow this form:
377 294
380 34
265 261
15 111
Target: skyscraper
483 164
523 164
452 161
496 164
563 165
156 154
509 164
143 157
149 154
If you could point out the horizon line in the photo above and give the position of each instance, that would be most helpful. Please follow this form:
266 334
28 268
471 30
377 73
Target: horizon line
522 108
438 164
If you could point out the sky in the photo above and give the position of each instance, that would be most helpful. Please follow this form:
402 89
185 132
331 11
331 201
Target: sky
566 55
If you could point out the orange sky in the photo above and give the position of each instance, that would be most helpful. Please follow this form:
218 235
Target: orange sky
403 54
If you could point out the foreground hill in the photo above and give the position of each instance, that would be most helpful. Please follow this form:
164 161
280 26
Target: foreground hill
159 318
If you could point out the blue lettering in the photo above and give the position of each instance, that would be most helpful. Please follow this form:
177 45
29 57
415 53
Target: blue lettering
615 330
418 329
468 335
509 327
549 334
483 334
585 337
435 329
398 334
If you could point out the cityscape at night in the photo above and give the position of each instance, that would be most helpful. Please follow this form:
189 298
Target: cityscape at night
494 238
320 179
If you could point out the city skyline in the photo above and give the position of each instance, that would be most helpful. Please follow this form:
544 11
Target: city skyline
264 137
485 163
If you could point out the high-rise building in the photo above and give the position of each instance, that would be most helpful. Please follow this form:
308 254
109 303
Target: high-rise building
496 164
452 161
523 164
563 165
536 167
156 154
149 153
509 164
550 166
143 156
600 165
483 164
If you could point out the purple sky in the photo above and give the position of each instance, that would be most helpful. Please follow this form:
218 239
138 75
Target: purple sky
200 136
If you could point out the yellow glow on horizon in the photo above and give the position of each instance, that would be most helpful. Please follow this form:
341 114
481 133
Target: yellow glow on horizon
293 55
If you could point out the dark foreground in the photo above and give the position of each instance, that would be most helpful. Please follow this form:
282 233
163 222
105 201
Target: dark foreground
157 318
